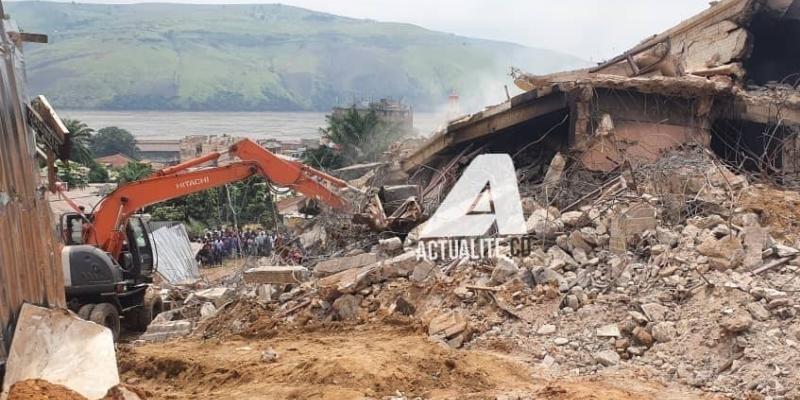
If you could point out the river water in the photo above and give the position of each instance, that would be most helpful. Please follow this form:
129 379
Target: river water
285 126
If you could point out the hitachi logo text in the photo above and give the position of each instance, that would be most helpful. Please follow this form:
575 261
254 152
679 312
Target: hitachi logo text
192 182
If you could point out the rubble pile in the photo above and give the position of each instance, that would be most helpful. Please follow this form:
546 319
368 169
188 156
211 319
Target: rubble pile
628 278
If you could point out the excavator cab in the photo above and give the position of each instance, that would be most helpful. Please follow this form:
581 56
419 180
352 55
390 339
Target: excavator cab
136 260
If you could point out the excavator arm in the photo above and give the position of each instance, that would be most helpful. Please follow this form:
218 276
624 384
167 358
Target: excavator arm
111 215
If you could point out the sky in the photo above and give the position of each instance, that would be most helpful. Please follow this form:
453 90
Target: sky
591 29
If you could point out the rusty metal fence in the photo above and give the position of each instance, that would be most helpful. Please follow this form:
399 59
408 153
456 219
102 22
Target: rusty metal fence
30 260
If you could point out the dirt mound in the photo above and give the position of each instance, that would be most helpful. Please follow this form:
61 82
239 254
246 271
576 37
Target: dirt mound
352 362
38 389
779 208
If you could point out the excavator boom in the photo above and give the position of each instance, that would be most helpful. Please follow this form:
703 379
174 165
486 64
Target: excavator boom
107 230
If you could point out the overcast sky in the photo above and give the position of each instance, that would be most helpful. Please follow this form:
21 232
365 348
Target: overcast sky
590 29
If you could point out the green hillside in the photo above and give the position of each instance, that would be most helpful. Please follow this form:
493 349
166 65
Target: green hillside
253 57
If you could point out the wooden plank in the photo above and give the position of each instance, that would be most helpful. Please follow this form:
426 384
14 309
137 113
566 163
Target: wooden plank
33 37
30 260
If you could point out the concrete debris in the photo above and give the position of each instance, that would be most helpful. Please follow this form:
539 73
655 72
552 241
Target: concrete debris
546 330
654 312
627 277
159 331
207 310
544 223
339 264
664 331
447 325
347 307
390 247
610 330
504 270
661 240
738 321
607 358
269 356
218 296
277 274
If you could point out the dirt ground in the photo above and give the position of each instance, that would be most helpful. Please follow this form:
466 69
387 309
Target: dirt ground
354 362
37 389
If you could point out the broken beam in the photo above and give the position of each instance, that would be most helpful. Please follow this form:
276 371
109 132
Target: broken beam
519 109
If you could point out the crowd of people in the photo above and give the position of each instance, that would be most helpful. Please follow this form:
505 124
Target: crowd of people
222 244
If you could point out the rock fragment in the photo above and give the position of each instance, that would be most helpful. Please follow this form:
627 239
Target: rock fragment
607 358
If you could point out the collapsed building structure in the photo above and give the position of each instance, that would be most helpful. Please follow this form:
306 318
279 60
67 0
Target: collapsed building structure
726 78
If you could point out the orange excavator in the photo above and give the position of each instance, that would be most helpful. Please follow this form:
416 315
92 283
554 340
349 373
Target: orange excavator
108 258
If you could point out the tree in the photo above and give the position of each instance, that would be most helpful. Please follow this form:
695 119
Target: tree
324 157
80 141
113 140
133 171
250 199
98 173
72 173
360 135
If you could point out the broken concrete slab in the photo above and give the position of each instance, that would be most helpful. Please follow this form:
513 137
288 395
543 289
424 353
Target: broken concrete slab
755 239
353 280
423 271
166 330
628 224
265 292
59 347
447 324
723 254
219 295
275 274
207 310
607 358
339 264
391 246
654 312
347 307
544 223
610 330
504 270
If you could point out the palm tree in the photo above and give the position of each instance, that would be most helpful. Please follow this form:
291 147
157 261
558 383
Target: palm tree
134 171
79 143
360 135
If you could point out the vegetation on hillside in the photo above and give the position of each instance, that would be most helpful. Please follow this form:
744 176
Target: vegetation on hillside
254 57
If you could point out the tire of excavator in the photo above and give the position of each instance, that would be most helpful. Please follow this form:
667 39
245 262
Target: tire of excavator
86 311
106 314
139 319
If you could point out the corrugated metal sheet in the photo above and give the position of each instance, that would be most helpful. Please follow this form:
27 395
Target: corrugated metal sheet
174 255
30 262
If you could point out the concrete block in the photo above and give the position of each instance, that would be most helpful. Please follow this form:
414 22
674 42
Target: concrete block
218 295
277 274
339 264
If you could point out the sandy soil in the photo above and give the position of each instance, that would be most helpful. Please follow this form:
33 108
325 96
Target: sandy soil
37 389
353 362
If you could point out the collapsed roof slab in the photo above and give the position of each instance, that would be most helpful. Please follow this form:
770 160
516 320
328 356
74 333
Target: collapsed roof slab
499 118
703 63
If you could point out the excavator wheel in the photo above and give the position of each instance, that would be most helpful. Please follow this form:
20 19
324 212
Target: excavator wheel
106 314
140 318
86 311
